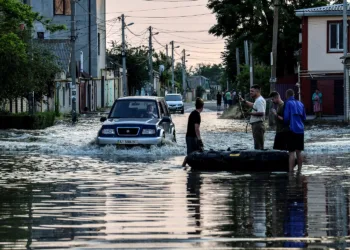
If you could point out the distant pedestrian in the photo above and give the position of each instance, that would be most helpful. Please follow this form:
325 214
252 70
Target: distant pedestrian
225 100
281 129
234 99
294 117
228 98
257 116
218 101
317 101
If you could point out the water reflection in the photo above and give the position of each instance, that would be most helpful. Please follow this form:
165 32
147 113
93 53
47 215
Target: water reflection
89 203
295 217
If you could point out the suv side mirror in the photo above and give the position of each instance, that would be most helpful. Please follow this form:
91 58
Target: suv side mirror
166 119
103 119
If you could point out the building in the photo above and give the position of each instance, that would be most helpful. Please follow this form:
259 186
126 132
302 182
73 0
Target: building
321 66
90 50
194 81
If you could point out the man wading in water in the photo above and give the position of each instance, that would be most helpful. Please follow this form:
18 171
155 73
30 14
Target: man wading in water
257 116
281 129
193 135
294 116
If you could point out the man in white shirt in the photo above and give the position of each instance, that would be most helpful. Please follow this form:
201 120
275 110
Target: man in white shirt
257 116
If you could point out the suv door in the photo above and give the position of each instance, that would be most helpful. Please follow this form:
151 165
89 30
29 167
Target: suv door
169 127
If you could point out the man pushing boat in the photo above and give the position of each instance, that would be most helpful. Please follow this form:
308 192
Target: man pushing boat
193 135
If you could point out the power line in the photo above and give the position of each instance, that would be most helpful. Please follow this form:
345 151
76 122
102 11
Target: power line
163 17
141 34
181 31
159 42
143 10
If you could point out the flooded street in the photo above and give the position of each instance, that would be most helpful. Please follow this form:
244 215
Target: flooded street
59 190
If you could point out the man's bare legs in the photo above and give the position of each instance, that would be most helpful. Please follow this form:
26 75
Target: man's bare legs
292 162
299 159
185 162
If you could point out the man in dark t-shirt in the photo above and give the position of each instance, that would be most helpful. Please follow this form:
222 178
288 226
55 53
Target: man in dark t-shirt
193 135
218 100
280 142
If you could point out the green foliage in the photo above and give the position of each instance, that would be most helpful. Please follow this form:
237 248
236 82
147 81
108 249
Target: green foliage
200 91
253 20
214 72
261 78
136 62
137 66
25 121
23 67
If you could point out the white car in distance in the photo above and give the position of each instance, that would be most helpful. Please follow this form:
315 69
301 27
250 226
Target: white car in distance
175 103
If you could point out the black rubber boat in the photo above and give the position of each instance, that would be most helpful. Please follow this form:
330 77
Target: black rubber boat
239 160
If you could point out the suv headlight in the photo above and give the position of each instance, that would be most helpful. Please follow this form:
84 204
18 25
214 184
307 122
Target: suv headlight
148 131
108 131
180 105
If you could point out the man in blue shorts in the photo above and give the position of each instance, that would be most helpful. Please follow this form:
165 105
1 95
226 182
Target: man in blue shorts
294 116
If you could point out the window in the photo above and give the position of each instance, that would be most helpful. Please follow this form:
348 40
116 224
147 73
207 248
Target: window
41 35
64 96
134 109
98 43
173 98
62 7
335 37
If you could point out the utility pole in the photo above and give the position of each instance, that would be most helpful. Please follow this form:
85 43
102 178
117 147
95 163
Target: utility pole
251 66
273 78
246 52
124 56
345 50
73 63
150 57
237 61
166 49
172 67
237 64
184 85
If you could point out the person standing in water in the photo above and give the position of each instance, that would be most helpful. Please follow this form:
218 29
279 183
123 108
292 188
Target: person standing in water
294 117
193 135
281 130
257 116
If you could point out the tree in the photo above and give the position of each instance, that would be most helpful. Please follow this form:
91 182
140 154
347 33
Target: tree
23 67
253 20
136 65
261 77
214 72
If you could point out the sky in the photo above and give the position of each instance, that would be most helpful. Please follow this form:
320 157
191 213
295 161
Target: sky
186 22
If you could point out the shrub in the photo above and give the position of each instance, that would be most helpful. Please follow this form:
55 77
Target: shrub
200 91
26 121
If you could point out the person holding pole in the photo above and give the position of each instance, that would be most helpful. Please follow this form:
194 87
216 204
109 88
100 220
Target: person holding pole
257 116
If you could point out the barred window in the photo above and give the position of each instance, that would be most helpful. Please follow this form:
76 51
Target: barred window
62 7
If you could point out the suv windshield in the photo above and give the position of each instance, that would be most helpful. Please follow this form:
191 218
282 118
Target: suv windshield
135 109
173 98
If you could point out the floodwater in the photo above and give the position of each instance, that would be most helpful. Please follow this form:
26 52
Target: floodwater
58 190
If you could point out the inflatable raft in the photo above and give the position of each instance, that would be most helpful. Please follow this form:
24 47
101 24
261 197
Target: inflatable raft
239 160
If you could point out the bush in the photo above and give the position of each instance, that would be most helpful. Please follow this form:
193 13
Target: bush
26 121
200 91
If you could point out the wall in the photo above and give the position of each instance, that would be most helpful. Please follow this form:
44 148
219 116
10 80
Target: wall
318 58
46 8
101 28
